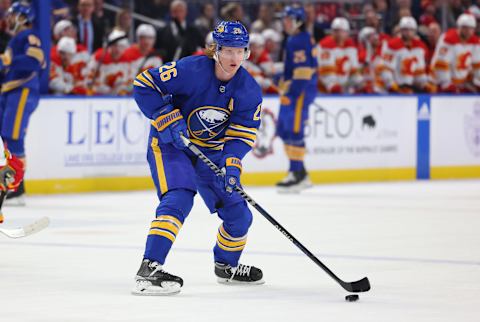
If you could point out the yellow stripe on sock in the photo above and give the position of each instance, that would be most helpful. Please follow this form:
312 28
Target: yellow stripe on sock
162 233
19 115
231 243
165 225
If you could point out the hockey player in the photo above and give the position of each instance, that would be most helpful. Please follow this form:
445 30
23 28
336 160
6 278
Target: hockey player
257 57
456 61
20 64
370 59
213 100
298 92
67 76
404 69
142 54
109 70
11 172
339 70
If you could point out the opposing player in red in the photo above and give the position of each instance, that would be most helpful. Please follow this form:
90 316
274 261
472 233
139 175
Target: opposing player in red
11 173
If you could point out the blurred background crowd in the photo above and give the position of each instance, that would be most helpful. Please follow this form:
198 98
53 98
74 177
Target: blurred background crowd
363 46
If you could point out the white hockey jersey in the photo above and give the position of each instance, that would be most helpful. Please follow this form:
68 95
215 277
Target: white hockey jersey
338 66
404 65
455 61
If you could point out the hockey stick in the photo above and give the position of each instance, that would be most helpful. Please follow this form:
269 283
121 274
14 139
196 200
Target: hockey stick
26 230
362 285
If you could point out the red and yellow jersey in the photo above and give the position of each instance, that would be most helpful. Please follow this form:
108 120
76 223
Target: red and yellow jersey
371 63
338 64
71 79
404 64
456 61
140 62
109 76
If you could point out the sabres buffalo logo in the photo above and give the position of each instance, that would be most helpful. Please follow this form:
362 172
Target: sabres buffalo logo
207 122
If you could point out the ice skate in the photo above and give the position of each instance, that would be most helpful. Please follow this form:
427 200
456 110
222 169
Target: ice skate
151 279
242 274
294 182
16 198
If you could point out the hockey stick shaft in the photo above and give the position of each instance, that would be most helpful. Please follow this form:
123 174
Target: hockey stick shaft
362 285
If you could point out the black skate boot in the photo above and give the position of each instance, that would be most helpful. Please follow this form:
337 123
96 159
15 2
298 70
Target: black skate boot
151 279
242 274
294 182
16 198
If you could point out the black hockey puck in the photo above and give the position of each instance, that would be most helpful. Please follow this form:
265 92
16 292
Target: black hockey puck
351 298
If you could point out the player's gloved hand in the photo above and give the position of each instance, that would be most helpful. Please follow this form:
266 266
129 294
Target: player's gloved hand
232 167
11 175
170 124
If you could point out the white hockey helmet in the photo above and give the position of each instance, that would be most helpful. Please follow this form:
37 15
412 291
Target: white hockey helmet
146 30
67 45
408 23
365 33
340 23
271 34
257 39
61 26
118 37
466 20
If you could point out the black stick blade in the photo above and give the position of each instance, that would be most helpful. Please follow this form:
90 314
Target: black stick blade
362 285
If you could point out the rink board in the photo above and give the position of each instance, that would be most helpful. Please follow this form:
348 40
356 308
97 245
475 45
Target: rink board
99 144
455 137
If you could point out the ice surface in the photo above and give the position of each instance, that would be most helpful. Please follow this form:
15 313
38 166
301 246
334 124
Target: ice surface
418 242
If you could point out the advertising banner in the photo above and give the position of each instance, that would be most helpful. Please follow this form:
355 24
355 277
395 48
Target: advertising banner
344 133
455 131
94 137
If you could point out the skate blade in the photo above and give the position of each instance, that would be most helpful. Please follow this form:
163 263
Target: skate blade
147 289
306 184
228 281
15 202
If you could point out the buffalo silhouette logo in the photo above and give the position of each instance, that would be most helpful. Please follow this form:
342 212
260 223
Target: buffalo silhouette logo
369 122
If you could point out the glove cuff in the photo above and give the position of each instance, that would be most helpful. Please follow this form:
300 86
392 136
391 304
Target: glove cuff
231 161
163 121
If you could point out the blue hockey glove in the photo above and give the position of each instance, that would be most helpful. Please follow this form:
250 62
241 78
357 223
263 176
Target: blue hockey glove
169 123
232 167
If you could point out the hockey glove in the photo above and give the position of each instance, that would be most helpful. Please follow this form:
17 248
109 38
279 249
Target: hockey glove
232 167
11 175
169 123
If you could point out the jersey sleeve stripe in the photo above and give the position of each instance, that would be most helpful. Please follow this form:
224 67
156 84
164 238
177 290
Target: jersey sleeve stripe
238 127
36 53
144 81
239 134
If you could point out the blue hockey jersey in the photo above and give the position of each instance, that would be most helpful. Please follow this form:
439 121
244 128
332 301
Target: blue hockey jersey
219 115
300 72
22 61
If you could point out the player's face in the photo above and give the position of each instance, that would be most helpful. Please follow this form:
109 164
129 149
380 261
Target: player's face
66 57
288 25
146 43
466 32
116 51
12 20
339 34
256 49
231 58
407 33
